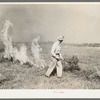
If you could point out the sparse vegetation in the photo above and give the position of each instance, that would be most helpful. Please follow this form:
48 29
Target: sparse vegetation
71 64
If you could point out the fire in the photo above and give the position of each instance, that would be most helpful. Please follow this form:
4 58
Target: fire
7 40
10 51
36 50
21 53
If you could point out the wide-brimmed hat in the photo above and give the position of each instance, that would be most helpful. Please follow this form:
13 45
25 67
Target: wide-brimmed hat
61 38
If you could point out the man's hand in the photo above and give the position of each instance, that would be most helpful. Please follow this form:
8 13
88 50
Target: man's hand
62 58
57 58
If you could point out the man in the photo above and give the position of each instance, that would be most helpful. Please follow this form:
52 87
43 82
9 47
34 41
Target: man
56 58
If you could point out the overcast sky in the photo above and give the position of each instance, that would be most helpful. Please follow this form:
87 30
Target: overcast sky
79 23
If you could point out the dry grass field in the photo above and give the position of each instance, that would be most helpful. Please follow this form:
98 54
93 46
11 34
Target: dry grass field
26 77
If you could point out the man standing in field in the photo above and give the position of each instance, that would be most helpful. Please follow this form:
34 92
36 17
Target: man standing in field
56 58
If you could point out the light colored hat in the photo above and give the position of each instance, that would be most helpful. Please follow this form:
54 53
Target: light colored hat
61 37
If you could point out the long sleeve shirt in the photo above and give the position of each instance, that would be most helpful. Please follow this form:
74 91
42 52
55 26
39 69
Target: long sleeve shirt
56 49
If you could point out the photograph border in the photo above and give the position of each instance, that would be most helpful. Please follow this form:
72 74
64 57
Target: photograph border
48 94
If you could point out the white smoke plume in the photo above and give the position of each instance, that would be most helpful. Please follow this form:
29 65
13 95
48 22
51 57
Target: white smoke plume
6 39
21 55
36 51
10 51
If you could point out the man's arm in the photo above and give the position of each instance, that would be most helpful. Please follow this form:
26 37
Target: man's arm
61 57
53 50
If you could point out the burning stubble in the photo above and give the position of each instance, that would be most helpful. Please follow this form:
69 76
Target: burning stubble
21 53
7 40
36 51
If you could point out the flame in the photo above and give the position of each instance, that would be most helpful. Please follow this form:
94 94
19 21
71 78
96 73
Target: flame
10 51
36 50
6 39
21 53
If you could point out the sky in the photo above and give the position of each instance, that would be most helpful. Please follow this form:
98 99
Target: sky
79 23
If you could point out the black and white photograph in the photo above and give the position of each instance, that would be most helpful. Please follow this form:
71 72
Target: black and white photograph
50 46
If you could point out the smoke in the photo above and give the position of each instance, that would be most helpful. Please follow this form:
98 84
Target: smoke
9 50
36 51
7 39
21 53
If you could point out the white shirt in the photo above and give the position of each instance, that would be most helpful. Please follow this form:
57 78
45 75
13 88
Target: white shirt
56 49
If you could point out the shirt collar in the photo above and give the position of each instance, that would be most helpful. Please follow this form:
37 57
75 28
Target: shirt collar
58 43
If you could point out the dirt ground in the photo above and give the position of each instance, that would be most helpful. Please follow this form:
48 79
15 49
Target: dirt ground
25 77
